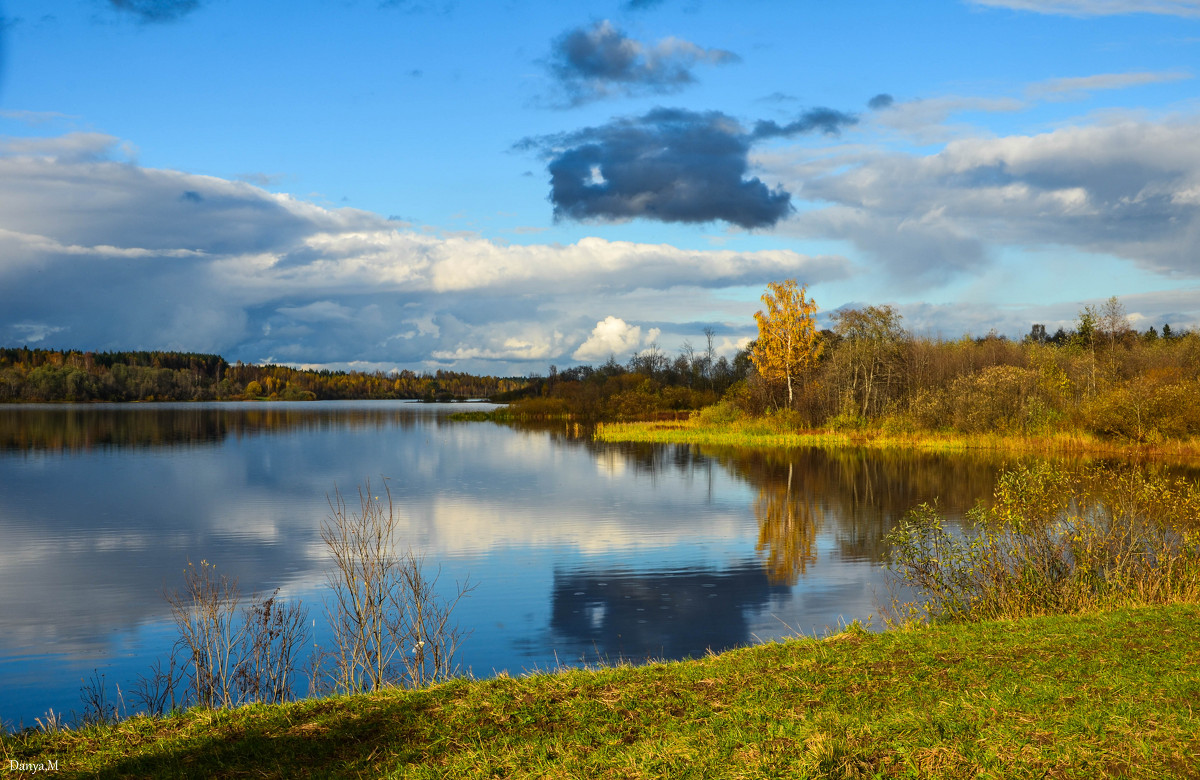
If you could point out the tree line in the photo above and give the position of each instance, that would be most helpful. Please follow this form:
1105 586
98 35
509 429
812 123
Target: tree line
650 385
867 371
1101 377
43 375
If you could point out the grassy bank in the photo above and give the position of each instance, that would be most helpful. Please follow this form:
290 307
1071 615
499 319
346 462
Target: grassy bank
765 432
1102 695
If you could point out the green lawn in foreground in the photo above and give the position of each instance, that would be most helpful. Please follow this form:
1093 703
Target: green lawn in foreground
1104 695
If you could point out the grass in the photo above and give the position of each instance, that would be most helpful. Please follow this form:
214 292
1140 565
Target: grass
764 432
1113 694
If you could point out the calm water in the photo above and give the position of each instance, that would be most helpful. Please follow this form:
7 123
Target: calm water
581 551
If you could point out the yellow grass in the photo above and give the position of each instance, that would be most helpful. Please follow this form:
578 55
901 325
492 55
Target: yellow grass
764 432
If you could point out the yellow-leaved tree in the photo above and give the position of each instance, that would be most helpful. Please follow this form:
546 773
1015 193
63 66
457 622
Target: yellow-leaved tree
788 341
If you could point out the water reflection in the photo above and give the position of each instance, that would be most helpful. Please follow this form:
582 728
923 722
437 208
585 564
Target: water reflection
66 428
624 614
579 548
857 496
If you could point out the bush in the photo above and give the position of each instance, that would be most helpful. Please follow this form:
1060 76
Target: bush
1054 542
390 626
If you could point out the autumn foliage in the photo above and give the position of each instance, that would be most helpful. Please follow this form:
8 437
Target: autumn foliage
69 375
788 342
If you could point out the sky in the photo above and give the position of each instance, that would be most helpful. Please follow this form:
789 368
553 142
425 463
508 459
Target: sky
498 187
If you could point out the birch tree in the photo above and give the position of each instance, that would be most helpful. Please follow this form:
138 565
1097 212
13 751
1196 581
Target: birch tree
788 342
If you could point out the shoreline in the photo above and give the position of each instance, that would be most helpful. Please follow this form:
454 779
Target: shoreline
1106 694
757 434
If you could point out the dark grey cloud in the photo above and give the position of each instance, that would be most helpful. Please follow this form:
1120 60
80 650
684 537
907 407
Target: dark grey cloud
880 101
671 165
642 5
597 61
152 11
825 120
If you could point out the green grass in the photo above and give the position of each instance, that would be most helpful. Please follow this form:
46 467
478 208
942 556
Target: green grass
1112 694
766 432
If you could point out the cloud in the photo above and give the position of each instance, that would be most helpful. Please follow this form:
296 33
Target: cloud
261 179
590 63
106 254
670 165
1129 188
32 332
613 336
1098 7
1179 308
156 11
825 120
881 101
1081 85
34 117
925 119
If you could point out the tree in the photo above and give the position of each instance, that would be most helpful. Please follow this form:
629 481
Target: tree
788 342
868 356
1113 324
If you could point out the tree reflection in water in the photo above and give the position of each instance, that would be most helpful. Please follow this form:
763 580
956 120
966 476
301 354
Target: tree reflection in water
854 496
788 523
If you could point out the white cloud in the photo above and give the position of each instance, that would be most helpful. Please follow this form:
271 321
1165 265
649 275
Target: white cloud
1124 188
1080 85
614 336
223 266
925 118
318 311
1099 7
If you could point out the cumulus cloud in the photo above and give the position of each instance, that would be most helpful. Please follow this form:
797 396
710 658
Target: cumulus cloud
600 61
1098 7
670 165
614 336
99 252
1128 188
156 11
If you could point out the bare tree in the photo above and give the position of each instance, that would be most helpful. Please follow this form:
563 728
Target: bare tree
206 616
274 632
1112 326
390 626
152 692
230 658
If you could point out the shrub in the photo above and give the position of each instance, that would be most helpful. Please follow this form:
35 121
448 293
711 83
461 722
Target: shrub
1054 542
390 626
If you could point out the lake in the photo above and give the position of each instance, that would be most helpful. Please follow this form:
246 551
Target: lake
581 551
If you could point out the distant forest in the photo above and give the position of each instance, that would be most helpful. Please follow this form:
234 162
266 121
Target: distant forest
866 372
42 375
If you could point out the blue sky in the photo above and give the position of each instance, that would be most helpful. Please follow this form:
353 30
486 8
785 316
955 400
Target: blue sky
496 187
